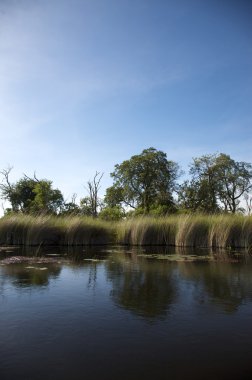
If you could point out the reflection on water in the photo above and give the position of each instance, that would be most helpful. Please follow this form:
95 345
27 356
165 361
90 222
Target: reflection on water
25 275
144 287
93 316
227 285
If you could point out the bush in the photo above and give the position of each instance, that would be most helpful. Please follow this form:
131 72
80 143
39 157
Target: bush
112 213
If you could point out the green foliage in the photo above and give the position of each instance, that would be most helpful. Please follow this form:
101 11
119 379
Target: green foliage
31 230
30 195
163 209
234 181
70 208
114 196
218 183
143 181
142 185
216 231
86 206
47 199
112 213
155 210
20 194
205 183
198 196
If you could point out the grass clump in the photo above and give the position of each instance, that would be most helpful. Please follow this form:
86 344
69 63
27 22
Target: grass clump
226 231
51 230
196 231
193 231
87 231
147 231
206 231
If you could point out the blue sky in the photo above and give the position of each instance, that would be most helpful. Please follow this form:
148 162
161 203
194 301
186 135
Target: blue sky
86 84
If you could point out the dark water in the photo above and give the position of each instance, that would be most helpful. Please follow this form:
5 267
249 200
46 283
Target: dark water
126 316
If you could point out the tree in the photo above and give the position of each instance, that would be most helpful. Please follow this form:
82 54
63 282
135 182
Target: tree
144 181
29 195
112 213
70 208
90 204
85 206
47 199
114 196
218 183
201 192
205 182
8 189
234 181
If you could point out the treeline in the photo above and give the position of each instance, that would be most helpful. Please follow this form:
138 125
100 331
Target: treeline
145 184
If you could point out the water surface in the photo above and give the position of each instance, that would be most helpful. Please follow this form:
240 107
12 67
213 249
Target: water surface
126 314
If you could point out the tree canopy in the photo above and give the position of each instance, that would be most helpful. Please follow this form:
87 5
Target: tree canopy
218 183
31 195
144 181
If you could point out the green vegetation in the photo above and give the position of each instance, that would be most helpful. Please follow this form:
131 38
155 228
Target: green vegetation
51 230
209 231
144 206
31 195
212 231
217 185
145 184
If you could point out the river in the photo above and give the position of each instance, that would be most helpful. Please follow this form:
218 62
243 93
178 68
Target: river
126 314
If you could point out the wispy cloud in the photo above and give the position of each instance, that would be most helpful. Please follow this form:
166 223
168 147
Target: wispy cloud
73 76
40 60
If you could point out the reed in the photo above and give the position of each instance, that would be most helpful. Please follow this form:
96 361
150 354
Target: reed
247 233
87 231
197 231
50 230
193 231
209 231
147 231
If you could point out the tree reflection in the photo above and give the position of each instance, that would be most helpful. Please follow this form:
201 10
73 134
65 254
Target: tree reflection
226 285
145 287
26 275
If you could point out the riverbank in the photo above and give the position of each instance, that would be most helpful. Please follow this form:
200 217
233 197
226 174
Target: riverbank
207 231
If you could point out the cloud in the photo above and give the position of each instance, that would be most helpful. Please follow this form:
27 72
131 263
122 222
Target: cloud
46 73
41 59
71 76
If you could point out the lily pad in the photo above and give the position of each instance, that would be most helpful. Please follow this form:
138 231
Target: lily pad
177 257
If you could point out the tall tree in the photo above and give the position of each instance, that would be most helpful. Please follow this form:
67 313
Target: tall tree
201 192
90 204
7 188
70 207
47 199
235 180
30 195
144 181
218 183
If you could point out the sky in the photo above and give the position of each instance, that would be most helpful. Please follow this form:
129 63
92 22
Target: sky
86 84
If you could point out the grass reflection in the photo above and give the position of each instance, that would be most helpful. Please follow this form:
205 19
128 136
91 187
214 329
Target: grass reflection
141 286
26 275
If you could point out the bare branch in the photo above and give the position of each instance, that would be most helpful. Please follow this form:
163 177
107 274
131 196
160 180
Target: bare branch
93 187
34 178
6 173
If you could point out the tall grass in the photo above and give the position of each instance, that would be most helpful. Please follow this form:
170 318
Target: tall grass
87 231
50 230
147 231
193 231
216 231
205 231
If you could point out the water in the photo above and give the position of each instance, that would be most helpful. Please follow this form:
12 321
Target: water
129 315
